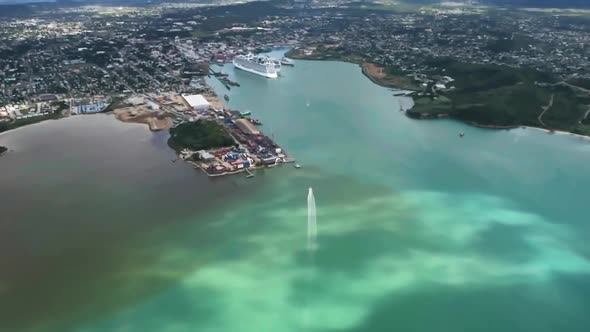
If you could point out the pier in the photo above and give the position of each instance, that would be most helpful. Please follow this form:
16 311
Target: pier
223 78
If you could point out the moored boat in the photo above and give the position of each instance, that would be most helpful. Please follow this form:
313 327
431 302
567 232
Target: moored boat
287 62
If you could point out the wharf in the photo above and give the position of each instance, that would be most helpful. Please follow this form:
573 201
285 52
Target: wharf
253 150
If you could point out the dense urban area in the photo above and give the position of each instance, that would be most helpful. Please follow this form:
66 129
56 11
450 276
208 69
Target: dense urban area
489 66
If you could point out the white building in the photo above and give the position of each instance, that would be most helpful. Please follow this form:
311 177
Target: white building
197 102
152 105
86 108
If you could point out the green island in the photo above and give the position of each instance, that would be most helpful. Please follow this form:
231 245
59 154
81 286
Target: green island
199 135
485 95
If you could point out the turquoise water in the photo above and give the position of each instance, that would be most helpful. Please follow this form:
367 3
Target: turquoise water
419 230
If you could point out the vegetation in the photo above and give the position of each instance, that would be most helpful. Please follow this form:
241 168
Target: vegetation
502 96
393 77
9 125
326 53
199 135
3 149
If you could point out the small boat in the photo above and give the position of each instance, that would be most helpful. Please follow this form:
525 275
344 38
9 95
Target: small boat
287 62
251 175
277 64
245 113
255 122
226 97
461 135
297 166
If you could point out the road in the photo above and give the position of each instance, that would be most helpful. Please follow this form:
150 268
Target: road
545 109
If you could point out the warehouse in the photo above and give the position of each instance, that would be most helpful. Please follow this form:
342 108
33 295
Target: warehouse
197 102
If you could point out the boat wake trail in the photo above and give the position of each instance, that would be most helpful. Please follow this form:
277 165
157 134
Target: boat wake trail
312 233
312 228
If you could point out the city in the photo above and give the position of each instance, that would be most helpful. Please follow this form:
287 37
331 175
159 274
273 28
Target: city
95 54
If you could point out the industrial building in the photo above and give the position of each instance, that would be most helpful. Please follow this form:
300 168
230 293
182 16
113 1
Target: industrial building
86 107
197 102
247 127
205 156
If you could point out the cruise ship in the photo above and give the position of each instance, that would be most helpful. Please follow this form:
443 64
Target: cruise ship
259 65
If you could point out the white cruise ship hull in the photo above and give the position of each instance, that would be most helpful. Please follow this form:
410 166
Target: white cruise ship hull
267 74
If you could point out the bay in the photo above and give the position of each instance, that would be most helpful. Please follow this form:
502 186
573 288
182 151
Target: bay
419 229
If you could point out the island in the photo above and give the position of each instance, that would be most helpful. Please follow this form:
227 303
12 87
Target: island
3 149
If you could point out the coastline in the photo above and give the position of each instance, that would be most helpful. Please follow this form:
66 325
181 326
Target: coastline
558 132
512 127
383 82
293 54
409 114
155 121
252 160
30 124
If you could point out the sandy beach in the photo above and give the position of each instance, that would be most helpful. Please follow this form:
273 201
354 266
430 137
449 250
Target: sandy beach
156 120
558 132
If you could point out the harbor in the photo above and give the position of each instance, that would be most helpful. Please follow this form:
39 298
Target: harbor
205 132
244 146
252 149
183 246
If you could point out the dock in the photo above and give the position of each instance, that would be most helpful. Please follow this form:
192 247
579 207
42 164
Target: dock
252 148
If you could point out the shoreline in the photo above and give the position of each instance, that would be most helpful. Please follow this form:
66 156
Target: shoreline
30 124
512 127
377 81
155 121
380 82
558 132
362 64
243 170
256 161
